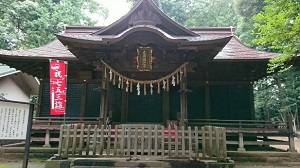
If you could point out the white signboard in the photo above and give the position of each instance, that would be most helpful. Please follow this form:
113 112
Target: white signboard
13 121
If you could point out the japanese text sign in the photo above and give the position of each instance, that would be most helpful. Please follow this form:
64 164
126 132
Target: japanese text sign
144 58
13 121
57 87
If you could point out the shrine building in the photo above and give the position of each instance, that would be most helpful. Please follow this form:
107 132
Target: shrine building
145 68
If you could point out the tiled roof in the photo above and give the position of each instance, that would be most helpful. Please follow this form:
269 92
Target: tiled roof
150 28
53 50
234 50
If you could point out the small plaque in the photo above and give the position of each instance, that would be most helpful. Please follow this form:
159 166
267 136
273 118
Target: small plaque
144 58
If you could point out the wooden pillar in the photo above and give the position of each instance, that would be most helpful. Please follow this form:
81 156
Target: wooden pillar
241 142
207 96
183 98
83 100
207 100
41 89
252 101
166 108
291 134
104 98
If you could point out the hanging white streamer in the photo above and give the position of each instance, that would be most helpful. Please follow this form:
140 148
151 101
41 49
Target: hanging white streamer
119 85
127 86
164 85
138 89
181 72
151 88
110 75
173 80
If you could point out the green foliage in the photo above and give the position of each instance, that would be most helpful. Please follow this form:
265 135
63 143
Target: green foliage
277 95
32 23
246 10
177 10
211 13
277 28
199 13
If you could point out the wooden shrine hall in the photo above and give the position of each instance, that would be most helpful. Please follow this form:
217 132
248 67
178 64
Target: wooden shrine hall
146 68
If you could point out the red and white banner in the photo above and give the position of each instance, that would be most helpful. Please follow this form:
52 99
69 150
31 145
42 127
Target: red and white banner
57 87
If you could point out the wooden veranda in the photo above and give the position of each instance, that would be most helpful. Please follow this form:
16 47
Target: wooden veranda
239 133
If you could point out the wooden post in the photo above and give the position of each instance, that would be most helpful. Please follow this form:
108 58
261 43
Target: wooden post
207 95
60 144
166 111
81 139
196 143
41 90
183 98
104 99
88 134
67 140
124 106
291 134
94 139
74 139
83 100
252 101
47 137
241 143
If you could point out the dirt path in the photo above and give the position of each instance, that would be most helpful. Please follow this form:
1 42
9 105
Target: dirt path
285 147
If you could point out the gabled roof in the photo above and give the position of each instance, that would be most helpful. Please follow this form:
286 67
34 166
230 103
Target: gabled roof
145 10
233 50
111 39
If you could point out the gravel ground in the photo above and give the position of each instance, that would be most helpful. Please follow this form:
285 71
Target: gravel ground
18 164
41 164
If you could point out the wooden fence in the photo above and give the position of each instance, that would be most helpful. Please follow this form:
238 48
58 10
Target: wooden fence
138 140
48 126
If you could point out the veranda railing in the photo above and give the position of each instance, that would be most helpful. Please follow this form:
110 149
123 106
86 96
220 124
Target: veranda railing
260 132
138 140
